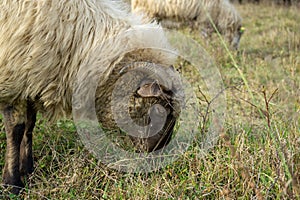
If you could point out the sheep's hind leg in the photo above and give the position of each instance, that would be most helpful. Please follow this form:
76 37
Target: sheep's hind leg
14 121
26 158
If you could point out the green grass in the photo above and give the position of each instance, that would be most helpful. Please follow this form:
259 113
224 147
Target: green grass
257 155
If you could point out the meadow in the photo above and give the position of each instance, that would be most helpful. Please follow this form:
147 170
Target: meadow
257 155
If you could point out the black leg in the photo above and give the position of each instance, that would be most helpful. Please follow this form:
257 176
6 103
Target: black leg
26 158
14 121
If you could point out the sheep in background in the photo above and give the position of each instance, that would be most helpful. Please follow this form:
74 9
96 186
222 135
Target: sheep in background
195 13
44 45
279 2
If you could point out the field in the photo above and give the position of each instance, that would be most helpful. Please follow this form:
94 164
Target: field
256 157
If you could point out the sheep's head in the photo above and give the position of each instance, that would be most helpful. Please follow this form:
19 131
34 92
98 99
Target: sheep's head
235 39
145 103
153 106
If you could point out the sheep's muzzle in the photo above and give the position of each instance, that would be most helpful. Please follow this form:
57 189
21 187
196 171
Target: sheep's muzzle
154 109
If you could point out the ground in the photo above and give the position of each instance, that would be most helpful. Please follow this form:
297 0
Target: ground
256 157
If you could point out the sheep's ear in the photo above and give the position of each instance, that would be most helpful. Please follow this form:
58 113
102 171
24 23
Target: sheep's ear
150 90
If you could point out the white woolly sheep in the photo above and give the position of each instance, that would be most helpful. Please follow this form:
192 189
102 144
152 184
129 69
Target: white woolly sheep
44 45
195 13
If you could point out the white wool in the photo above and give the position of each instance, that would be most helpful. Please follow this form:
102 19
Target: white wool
198 13
44 43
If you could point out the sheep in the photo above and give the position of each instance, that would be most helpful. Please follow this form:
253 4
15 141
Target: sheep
279 2
195 14
46 44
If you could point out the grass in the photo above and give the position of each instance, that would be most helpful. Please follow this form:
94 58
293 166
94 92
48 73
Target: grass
256 157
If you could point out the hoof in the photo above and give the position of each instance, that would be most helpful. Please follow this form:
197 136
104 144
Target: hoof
13 186
15 190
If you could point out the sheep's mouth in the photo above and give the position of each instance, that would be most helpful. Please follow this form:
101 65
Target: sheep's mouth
156 115
157 141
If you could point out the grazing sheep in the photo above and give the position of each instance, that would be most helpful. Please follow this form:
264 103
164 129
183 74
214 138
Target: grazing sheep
44 45
195 13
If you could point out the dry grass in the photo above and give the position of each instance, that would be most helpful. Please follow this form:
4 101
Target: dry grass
257 156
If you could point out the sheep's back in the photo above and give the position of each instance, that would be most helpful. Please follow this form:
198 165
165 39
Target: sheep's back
177 9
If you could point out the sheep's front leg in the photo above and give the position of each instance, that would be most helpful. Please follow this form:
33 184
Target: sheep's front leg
26 159
14 121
